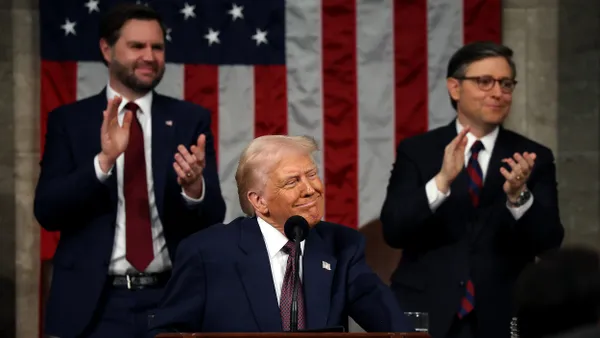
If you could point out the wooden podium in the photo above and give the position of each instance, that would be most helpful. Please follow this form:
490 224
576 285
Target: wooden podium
296 335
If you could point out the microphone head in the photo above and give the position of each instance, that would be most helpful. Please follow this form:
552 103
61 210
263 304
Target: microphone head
296 227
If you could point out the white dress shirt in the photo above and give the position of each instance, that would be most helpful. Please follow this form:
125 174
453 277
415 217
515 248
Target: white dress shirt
275 241
436 197
162 262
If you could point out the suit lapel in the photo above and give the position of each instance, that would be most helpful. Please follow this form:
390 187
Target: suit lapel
317 279
162 149
256 276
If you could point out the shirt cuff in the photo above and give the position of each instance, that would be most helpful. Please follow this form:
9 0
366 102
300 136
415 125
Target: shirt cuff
101 175
434 196
518 212
194 201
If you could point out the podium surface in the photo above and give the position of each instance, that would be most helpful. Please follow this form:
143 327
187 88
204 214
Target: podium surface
297 335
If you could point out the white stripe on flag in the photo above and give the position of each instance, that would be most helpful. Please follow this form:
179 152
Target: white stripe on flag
375 57
445 36
303 63
236 128
91 78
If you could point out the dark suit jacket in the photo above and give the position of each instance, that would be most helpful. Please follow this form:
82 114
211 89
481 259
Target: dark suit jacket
70 199
222 282
442 249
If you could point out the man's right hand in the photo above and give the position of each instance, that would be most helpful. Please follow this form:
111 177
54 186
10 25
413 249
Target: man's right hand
454 161
113 137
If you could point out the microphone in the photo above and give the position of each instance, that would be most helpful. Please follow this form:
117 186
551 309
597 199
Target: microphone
296 229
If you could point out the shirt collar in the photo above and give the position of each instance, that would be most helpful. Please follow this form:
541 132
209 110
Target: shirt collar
488 140
144 102
274 239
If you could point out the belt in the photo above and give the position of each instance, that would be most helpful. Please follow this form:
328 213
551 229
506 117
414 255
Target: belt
138 281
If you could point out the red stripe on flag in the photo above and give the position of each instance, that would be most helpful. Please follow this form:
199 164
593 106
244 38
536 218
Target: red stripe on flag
482 20
270 100
340 113
410 62
201 86
58 87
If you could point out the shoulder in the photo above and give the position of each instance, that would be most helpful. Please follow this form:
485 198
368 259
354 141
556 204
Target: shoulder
81 108
182 105
216 238
427 142
522 143
339 236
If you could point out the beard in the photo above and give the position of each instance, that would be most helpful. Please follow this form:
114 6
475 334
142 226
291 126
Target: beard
126 75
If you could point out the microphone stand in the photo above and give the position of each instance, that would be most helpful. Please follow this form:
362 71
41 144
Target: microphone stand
294 309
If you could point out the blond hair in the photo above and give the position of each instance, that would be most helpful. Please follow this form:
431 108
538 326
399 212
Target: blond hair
259 158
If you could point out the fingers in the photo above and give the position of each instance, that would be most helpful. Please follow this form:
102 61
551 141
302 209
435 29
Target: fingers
459 139
127 120
198 150
113 107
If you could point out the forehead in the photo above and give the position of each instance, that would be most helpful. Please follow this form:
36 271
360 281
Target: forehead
142 30
494 66
292 163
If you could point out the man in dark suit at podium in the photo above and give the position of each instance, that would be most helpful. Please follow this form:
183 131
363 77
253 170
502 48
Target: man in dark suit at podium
237 277
470 204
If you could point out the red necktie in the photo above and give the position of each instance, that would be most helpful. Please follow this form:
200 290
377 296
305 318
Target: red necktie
285 304
467 303
138 232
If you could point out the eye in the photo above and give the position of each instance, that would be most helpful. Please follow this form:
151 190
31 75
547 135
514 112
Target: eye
507 83
485 81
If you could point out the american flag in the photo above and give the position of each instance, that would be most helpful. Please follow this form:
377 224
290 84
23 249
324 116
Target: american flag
357 75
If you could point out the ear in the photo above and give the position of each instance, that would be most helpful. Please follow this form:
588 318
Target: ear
258 202
453 86
106 50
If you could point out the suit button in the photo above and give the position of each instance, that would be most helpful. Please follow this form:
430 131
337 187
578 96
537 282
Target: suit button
462 283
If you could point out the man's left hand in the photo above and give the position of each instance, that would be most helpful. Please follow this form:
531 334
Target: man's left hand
189 166
521 166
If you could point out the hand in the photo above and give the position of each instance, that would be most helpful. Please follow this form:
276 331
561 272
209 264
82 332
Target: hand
453 162
521 167
113 137
189 167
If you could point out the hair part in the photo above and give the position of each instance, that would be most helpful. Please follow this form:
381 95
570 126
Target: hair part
260 157
473 52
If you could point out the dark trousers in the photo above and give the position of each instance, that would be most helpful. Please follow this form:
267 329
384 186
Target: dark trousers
465 327
123 313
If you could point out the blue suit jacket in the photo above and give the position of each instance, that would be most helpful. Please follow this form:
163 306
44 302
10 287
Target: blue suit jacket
222 282
70 199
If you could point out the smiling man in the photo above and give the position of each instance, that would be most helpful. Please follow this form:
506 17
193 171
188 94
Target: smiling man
470 203
126 174
235 277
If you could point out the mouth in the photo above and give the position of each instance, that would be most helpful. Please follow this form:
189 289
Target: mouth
307 204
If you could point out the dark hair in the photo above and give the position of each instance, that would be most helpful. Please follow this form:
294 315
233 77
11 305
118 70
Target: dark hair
475 51
559 293
114 19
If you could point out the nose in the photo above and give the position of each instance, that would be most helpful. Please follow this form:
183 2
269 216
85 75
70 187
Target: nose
496 90
148 54
308 187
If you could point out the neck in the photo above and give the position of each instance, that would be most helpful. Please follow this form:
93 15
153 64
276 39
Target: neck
126 92
478 130
273 223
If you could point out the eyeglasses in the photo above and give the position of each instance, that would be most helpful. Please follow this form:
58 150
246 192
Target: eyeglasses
487 82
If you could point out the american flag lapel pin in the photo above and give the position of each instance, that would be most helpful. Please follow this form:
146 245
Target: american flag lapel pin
326 266
169 123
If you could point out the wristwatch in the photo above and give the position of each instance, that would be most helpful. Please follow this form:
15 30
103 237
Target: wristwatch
522 199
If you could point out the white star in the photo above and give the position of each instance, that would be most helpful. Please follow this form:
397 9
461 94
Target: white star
92 5
140 3
69 27
260 37
188 11
212 37
168 34
236 12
